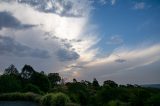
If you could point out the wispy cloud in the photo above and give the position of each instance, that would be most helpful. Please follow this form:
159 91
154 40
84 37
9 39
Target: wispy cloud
131 60
113 2
104 2
115 40
140 6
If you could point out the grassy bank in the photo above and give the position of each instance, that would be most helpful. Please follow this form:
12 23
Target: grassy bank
50 99
17 96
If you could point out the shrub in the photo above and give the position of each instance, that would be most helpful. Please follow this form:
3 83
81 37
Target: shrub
46 100
154 100
57 99
9 83
32 88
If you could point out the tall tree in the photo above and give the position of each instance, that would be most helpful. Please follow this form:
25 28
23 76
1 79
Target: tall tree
74 80
95 83
27 72
11 70
54 78
41 80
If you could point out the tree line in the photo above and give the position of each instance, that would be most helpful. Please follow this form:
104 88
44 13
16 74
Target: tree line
82 93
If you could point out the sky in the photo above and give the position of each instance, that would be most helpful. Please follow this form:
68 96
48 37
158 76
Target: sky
115 40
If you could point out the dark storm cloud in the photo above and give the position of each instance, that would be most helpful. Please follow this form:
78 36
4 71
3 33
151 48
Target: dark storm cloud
8 46
67 55
7 20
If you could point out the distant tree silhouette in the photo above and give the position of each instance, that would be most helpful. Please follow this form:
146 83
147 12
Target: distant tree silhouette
95 83
54 78
110 83
27 72
11 70
83 93
74 80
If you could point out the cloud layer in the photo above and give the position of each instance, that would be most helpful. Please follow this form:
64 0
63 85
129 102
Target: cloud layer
59 37
61 33
129 62
69 8
9 21
8 46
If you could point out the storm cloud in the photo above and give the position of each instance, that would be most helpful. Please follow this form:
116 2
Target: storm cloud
67 55
67 8
8 46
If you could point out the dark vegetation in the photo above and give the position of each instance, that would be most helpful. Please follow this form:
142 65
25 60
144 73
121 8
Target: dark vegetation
51 90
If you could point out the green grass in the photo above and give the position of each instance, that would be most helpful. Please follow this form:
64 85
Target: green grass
20 96
50 99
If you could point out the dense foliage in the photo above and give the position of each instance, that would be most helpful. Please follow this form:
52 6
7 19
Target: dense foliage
51 90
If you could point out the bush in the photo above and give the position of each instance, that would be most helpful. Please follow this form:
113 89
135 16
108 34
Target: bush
46 100
154 100
9 83
57 99
41 80
32 88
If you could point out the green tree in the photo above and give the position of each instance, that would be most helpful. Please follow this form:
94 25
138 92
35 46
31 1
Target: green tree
27 72
54 78
41 81
74 80
110 83
11 70
95 83
107 94
32 88
139 97
154 100
9 83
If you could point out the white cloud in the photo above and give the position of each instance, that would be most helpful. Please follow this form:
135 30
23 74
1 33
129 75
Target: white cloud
135 60
103 2
70 8
140 6
65 32
113 2
115 40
